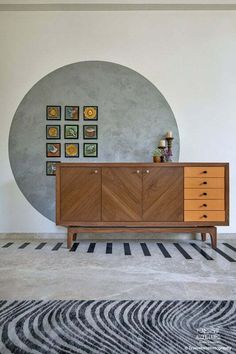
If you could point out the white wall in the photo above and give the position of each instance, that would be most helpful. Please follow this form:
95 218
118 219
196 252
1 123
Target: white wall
189 56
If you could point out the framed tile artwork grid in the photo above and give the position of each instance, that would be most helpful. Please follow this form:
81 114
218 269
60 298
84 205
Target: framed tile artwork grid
51 168
71 131
53 150
90 150
90 113
71 150
53 112
53 132
72 113
90 132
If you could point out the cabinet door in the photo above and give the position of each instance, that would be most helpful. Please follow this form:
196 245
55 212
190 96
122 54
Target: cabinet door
121 194
80 195
163 195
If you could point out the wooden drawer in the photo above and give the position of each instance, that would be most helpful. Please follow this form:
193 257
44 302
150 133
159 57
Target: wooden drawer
204 171
204 182
204 216
204 193
196 204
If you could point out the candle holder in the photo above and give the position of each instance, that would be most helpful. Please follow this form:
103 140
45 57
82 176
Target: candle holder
162 149
169 148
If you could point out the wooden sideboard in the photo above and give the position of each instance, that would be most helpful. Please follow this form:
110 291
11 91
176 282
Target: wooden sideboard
142 197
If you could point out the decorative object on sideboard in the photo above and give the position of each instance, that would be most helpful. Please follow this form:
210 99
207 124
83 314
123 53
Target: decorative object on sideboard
162 148
156 155
164 153
169 139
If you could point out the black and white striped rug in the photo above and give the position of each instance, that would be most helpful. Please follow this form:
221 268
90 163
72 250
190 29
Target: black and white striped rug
117 327
199 248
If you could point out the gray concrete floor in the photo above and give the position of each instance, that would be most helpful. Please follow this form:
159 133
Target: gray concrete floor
45 274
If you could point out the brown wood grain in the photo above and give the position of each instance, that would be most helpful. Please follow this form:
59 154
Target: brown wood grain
144 164
208 215
92 213
206 171
58 195
212 231
163 194
96 230
201 193
143 223
227 191
215 182
80 194
196 204
121 194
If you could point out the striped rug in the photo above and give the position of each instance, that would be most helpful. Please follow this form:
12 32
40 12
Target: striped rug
118 327
199 248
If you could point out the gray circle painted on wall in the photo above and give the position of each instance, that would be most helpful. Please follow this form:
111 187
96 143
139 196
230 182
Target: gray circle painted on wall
132 117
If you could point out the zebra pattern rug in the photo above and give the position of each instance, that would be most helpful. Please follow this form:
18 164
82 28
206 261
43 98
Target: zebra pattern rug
117 327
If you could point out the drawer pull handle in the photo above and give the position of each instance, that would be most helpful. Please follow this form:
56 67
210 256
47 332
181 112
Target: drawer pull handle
95 171
204 193
205 205
204 216
204 171
147 171
138 171
204 182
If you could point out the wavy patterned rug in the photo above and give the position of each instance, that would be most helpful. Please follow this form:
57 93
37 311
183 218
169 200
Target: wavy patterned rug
117 327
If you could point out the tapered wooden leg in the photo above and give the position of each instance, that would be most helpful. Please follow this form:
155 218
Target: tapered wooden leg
203 236
213 234
69 238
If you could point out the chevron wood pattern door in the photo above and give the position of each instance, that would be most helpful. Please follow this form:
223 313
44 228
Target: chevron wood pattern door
163 189
121 194
80 194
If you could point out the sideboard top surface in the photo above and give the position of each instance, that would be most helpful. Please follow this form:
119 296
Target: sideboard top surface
140 164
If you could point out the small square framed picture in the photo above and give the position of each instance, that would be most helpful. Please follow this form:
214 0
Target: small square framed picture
90 150
53 150
71 112
53 132
71 150
51 168
53 112
71 131
90 131
90 113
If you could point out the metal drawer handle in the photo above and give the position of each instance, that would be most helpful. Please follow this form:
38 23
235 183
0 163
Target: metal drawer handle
138 171
204 182
204 171
205 205
204 193
204 216
147 171
95 171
